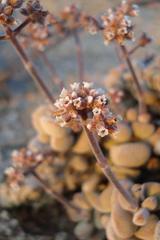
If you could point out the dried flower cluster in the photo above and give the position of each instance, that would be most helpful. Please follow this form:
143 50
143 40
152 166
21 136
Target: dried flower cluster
117 23
22 161
72 19
68 20
34 11
84 103
7 9
36 36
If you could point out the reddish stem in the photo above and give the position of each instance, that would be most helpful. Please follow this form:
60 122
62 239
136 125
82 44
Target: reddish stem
21 26
102 161
54 194
51 68
80 58
29 65
142 106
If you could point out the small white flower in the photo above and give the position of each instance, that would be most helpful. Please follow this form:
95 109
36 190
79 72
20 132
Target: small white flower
102 100
59 103
89 99
75 86
39 157
89 126
9 171
102 131
77 102
67 101
87 85
15 153
124 2
97 111
74 94
64 93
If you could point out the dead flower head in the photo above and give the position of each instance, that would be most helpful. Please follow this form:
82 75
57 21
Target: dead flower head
36 36
22 161
67 21
117 23
34 11
84 103
14 177
7 10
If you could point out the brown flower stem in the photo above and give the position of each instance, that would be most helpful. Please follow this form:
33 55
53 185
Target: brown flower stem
142 106
54 194
4 37
134 49
51 68
80 59
21 26
29 66
56 42
102 161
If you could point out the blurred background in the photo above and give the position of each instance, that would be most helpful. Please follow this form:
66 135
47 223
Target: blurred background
18 94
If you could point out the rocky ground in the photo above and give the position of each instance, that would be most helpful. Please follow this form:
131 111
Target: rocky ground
18 95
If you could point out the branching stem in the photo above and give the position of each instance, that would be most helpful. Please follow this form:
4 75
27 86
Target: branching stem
80 58
142 106
21 26
55 78
54 194
102 161
29 65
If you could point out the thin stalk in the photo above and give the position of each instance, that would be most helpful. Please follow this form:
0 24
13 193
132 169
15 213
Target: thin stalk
56 42
29 65
21 26
102 161
4 37
54 194
134 49
142 106
80 58
52 70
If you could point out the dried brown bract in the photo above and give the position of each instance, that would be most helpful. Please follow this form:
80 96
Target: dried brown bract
7 10
84 103
34 11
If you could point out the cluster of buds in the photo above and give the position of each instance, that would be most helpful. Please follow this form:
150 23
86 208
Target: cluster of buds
82 104
72 19
117 23
34 11
36 36
7 9
22 161
67 21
